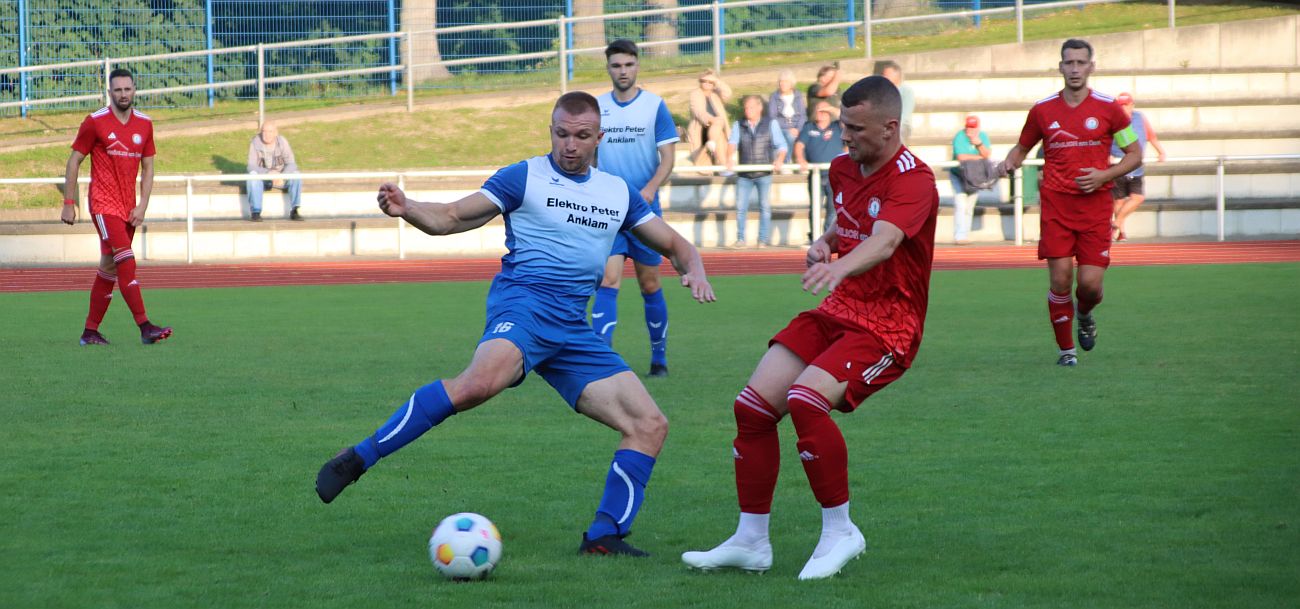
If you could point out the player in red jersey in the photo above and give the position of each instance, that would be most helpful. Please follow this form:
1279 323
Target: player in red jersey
861 338
119 141
1077 126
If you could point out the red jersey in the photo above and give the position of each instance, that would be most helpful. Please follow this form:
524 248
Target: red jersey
1073 138
890 300
115 150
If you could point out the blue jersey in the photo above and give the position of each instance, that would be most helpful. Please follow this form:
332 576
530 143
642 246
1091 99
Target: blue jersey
559 227
1139 124
634 131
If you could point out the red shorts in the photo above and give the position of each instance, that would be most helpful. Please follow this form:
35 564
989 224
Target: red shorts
1085 236
847 352
115 234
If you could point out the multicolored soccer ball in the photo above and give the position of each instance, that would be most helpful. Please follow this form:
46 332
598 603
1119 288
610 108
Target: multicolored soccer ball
465 546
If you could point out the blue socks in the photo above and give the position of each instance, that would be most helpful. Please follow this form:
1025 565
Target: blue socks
604 318
428 406
656 321
624 490
604 313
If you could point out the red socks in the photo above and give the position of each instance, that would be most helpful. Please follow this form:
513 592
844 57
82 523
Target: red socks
101 295
1061 310
128 284
757 450
821 446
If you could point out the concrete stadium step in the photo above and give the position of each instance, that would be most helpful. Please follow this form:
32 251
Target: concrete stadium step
215 241
1151 88
1190 120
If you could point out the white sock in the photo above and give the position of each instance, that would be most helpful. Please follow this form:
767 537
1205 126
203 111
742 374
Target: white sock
1070 351
836 525
752 529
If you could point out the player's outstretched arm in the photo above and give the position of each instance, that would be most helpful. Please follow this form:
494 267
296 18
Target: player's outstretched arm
885 238
70 190
685 258
463 215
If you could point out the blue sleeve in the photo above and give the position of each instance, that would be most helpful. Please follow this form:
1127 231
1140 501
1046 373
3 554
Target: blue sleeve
734 138
637 209
506 186
984 137
665 128
778 138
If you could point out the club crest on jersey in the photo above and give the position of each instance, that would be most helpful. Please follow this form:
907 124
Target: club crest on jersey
1091 123
136 139
873 207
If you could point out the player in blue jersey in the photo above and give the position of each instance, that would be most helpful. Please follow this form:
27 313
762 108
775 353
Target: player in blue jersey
561 216
640 139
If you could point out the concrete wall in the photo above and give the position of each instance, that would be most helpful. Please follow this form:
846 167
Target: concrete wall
705 229
1235 44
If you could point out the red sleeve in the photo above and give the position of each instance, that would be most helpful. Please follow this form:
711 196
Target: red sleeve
85 141
1118 119
148 143
1031 133
911 200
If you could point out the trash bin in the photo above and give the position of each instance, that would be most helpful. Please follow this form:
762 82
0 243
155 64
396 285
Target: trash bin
1031 184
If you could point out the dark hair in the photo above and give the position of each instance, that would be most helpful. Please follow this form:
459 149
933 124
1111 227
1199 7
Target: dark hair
1075 43
119 73
877 91
885 64
577 102
622 45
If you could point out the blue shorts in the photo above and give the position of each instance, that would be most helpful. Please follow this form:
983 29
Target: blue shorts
626 244
553 336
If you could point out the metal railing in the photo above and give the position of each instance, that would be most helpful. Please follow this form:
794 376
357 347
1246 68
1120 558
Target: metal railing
562 53
815 207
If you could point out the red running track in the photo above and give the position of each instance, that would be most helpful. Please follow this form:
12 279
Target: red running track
750 262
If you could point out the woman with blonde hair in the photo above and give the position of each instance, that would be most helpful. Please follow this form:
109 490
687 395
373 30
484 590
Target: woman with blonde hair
709 127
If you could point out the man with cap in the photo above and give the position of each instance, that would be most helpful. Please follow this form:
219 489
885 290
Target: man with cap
1129 191
820 141
969 144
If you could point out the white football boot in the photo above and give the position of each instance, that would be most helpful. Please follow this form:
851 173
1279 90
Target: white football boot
732 554
833 552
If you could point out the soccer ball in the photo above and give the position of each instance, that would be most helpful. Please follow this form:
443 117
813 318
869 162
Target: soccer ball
465 546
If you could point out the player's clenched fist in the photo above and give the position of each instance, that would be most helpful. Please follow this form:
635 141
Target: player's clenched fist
392 200
69 214
819 252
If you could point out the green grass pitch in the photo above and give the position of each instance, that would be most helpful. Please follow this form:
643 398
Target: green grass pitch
1163 472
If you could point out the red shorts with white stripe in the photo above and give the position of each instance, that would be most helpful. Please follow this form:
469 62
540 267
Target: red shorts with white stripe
1064 232
848 352
115 234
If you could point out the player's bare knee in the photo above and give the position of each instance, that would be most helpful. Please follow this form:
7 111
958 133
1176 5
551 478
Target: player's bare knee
649 284
650 428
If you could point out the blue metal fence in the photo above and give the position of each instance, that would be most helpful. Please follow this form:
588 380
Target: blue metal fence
34 32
